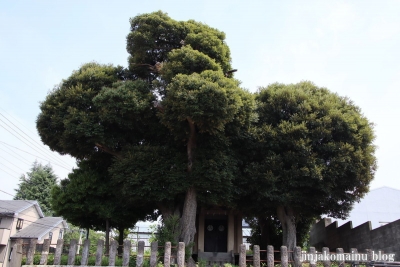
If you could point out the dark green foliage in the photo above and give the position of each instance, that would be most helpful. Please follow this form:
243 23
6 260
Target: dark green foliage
312 143
37 185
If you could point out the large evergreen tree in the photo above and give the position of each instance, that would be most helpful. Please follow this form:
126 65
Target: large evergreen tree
312 153
169 120
37 185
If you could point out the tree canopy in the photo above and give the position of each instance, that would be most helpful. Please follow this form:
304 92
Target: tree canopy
313 154
37 185
177 129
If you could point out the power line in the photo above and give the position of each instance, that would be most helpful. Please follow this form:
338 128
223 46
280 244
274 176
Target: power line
34 155
7 172
20 158
22 140
11 163
9 168
40 146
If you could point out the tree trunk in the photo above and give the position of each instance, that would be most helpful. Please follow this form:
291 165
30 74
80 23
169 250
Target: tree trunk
107 236
264 224
287 218
188 219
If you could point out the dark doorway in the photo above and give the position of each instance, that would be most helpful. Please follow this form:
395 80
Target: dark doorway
215 235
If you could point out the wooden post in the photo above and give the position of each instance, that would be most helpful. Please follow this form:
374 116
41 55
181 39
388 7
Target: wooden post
256 256
57 254
72 251
31 252
313 255
15 256
153 255
297 257
270 256
181 254
126 252
340 257
99 252
85 252
45 252
167 254
242 256
112 253
140 254
327 259
284 256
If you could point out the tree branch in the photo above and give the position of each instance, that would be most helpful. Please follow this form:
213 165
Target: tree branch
109 151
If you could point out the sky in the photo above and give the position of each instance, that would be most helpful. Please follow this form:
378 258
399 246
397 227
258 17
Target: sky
349 47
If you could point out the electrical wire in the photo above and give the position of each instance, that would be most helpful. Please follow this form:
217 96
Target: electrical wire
36 144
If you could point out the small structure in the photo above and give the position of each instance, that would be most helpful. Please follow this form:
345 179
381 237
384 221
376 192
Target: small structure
218 235
24 219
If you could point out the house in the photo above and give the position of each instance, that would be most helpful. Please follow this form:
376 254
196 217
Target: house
23 219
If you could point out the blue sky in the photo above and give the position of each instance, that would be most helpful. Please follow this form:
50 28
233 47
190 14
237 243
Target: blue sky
350 47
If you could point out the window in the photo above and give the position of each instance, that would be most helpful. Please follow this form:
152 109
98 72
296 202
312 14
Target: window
50 236
60 236
20 223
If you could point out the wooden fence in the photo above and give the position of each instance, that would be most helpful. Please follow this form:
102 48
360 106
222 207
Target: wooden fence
257 259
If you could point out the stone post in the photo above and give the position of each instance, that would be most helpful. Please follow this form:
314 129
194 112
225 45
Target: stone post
256 256
284 256
140 254
181 254
57 254
167 254
112 253
99 252
31 252
340 257
270 256
313 254
242 256
327 259
126 253
153 255
354 256
72 251
297 257
85 252
45 252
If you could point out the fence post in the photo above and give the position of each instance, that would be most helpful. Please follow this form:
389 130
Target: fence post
313 254
270 256
327 259
354 255
284 256
242 256
153 254
340 257
15 256
85 252
57 254
297 257
181 254
369 254
72 251
126 253
112 253
45 252
99 252
140 254
256 256
167 254
31 251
